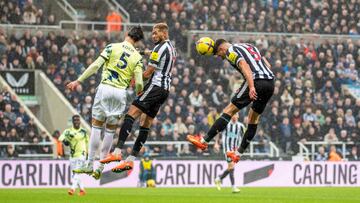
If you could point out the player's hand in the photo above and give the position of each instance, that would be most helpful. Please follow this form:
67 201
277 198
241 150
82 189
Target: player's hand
252 93
139 93
72 85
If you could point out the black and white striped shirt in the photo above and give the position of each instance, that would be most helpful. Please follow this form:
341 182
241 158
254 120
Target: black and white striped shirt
252 56
163 59
232 135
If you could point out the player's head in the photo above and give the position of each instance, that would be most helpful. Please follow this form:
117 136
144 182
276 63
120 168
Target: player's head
235 118
160 33
76 121
136 33
220 48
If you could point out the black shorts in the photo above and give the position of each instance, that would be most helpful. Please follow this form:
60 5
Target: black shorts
150 101
264 90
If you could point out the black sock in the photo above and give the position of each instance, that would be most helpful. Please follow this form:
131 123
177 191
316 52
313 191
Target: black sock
232 180
125 130
249 135
224 174
219 125
140 140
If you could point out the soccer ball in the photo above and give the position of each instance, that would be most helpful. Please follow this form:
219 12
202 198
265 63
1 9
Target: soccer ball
150 183
205 46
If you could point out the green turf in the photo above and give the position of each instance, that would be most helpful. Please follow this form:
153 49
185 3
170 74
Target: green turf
184 195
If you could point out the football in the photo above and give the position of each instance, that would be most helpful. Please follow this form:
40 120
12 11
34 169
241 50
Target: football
205 46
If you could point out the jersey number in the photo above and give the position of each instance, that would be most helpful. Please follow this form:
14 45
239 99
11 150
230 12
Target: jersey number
123 61
256 55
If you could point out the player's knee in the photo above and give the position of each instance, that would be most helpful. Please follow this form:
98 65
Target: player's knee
111 122
97 123
145 121
111 127
134 112
254 117
231 110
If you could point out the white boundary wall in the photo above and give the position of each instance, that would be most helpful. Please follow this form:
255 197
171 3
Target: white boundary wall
56 174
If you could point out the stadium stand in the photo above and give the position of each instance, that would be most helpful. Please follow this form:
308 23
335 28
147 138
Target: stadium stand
326 17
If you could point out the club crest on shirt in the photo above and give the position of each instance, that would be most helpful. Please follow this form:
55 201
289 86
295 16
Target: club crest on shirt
154 56
232 57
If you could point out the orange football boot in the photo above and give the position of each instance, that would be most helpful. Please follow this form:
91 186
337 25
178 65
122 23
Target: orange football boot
71 192
196 140
82 193
111 158
233 156
123 166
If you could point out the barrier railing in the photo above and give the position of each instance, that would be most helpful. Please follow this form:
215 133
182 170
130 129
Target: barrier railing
39 155
303 149
68 9
177 144
93 24
119 8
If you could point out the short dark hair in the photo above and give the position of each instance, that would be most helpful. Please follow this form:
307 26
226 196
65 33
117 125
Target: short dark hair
75 116
136 33
163 27
218 42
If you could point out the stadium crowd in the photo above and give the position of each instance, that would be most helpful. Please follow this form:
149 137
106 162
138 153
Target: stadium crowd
17 126
24 12
308 104
313 16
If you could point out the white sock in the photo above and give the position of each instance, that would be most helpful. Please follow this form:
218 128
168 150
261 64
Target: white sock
107 143
130 158
74 181
117 150
106 146
80 184
94 143
203 140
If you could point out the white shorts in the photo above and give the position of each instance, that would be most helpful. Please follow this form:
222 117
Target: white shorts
109 104
78 162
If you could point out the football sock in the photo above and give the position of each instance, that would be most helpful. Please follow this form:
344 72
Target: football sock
106 145
231 174
140 140
249 135
130 158
224 174
94 143
219 125
80 184
74 181
125 130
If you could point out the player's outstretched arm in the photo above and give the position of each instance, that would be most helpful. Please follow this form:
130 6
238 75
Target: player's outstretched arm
138 75
245 69
148 72
93 68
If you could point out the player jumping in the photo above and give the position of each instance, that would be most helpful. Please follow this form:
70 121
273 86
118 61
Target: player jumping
121 62
231 137
77 139
257 88
147 105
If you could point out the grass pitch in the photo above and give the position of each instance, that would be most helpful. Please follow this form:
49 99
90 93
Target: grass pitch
184 195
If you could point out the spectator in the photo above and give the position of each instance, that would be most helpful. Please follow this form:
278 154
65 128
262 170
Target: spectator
114 21
330 136
333 154
354 155
321 155
10 152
